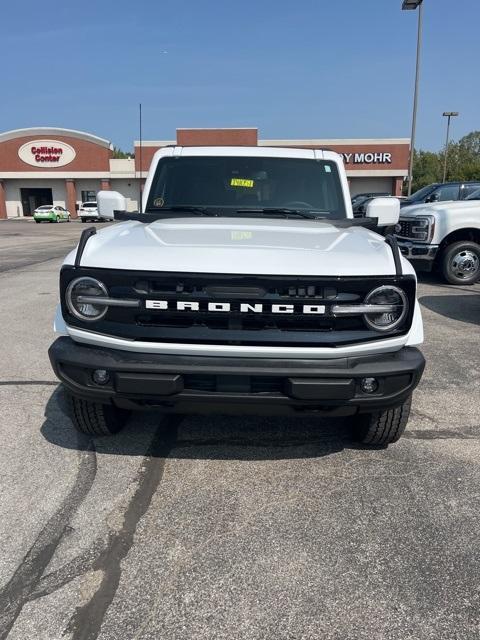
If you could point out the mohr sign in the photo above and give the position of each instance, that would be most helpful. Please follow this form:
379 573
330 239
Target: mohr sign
381 157
46 153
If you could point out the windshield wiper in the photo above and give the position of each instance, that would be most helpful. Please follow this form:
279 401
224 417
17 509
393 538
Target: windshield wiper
300 213
197 210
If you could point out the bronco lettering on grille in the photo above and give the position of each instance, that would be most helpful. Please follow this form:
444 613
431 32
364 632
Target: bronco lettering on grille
233 307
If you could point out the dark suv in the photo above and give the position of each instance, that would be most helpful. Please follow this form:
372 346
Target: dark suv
439 192
361 199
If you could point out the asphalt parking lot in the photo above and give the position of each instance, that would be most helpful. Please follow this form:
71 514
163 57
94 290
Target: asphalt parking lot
233 527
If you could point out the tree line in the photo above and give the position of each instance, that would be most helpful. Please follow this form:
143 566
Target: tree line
463 162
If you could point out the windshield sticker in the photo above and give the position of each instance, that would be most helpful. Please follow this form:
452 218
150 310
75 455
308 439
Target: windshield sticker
328 169
242 182
158 202
241 235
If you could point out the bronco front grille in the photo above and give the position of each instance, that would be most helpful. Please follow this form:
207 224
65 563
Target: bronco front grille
200 325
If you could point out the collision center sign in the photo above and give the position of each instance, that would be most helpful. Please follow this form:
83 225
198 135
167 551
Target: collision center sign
46 153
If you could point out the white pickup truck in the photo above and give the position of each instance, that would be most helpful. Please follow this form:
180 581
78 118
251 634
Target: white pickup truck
244 285
443 235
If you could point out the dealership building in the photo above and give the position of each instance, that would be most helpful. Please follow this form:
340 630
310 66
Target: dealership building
48 165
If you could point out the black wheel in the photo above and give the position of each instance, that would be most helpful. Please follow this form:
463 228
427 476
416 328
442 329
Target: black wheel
96 419
38 221
383 427
461 263
83 219
57 219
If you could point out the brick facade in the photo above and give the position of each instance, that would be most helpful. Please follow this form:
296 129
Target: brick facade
71 197
392 156
89 156
3 204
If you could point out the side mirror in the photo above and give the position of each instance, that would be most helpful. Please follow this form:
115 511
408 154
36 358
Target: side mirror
433 197
386 210
110 201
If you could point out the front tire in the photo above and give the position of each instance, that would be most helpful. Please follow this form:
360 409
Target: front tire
382 428
96 419
461 263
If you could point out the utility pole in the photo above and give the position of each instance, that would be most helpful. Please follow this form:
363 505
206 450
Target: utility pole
140 205
409 5
449 115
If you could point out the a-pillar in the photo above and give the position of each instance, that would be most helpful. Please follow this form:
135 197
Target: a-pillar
105 185
71 197
3 203
397 184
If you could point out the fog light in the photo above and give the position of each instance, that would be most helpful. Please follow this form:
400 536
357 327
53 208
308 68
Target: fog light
369 385
101 376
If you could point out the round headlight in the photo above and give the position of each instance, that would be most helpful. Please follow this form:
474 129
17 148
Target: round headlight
394 305
80 297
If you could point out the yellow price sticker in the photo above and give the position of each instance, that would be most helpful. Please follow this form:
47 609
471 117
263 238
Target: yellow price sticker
241 235
241 182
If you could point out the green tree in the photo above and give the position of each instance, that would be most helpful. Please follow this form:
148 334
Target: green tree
118 154
463 162
427 168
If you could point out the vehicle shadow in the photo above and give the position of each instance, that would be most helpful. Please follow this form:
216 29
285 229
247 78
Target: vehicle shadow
464 308
435 278
204 437
430 277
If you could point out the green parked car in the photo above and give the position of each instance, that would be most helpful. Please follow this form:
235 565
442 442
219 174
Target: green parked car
51 213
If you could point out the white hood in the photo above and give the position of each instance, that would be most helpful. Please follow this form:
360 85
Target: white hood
240 246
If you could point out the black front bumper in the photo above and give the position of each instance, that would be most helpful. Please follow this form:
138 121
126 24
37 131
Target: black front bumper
194 384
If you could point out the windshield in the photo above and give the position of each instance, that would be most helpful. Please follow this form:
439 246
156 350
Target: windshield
422 193
229 185
89 205
45 207
475 195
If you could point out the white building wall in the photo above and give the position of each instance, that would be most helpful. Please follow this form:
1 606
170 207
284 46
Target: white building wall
128 188
14 200
86 185
370 185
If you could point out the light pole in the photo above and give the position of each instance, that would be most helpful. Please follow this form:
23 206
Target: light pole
409 5
449 115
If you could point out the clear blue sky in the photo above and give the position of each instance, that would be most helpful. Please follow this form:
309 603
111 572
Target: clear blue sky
303 68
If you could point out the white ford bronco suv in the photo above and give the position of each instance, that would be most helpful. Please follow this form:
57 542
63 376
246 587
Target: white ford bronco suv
243 285
443 235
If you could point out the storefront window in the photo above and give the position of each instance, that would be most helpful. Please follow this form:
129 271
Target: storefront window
89 196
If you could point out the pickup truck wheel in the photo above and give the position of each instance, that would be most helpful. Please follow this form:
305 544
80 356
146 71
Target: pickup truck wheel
83 219
383 427
96 419
461 263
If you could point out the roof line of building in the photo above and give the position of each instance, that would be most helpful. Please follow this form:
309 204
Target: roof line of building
335 141
300 142
217 129
54 131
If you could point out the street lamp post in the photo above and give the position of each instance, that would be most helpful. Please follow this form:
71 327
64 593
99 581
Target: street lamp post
449 115
409 5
